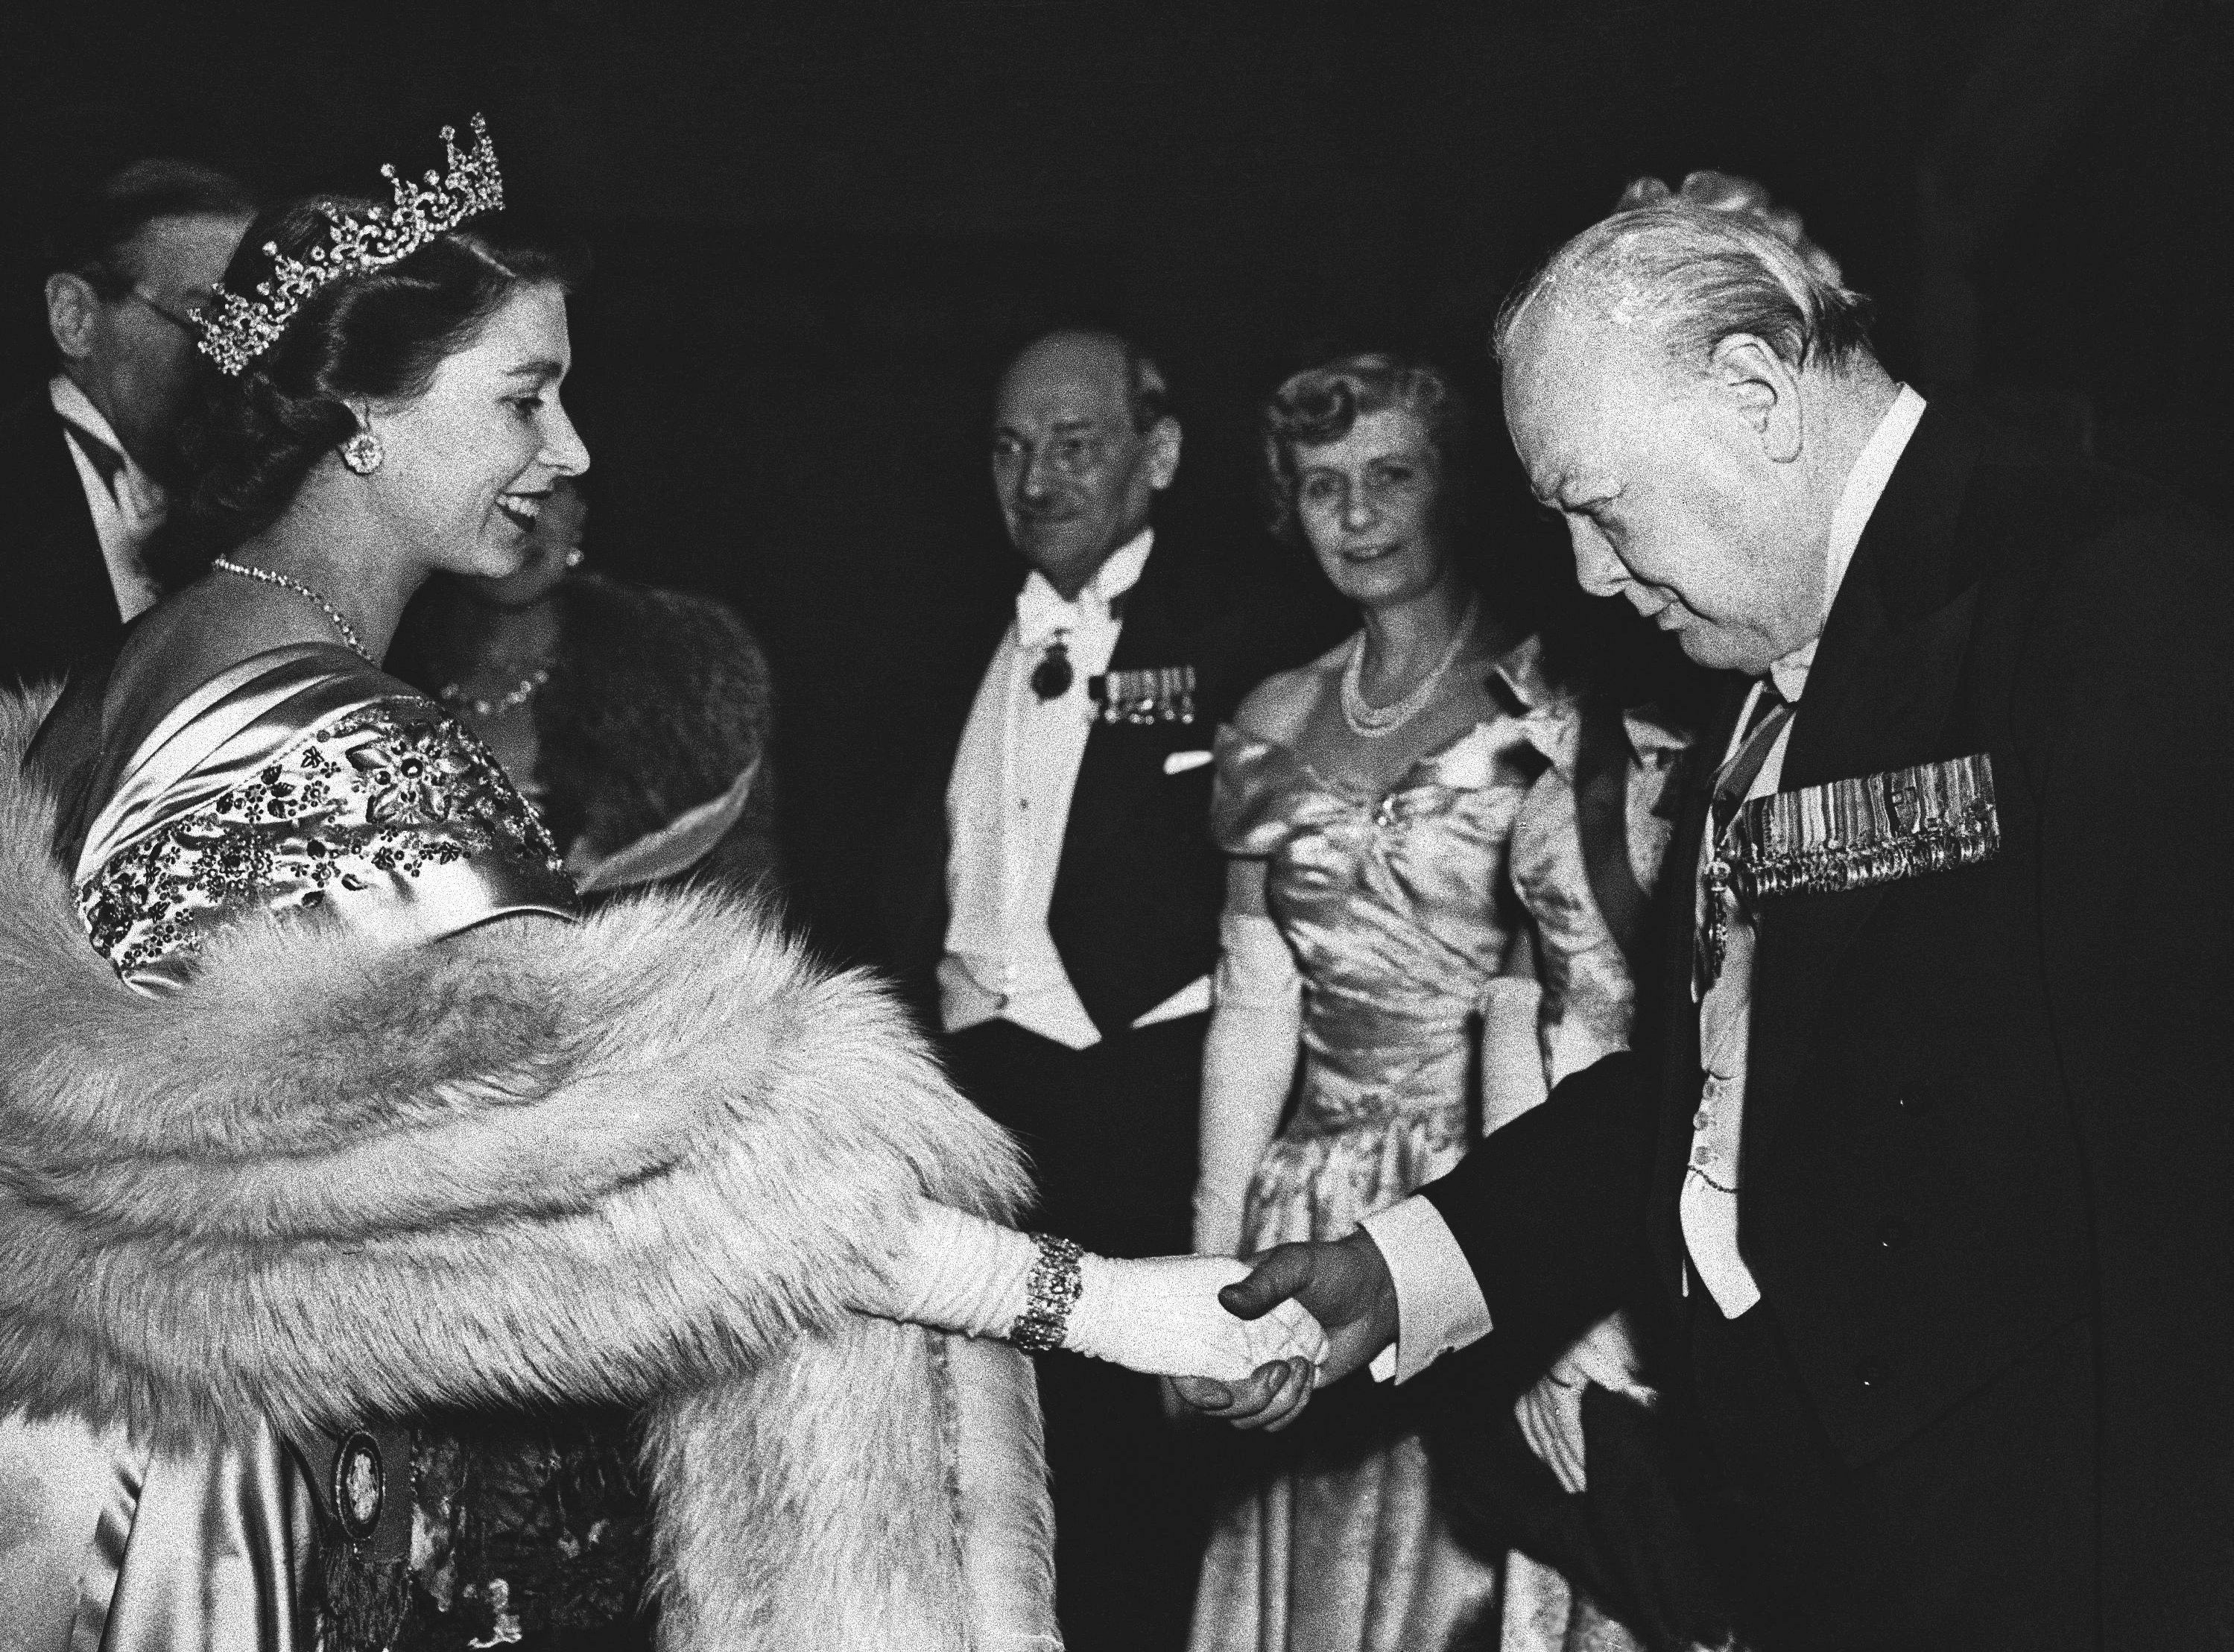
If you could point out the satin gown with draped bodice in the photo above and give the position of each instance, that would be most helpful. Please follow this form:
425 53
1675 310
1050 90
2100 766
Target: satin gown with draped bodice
1402 907
298 780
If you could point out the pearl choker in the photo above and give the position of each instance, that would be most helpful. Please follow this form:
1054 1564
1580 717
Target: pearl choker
1371 722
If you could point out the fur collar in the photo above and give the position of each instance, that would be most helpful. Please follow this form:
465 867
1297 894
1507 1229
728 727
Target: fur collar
648 1157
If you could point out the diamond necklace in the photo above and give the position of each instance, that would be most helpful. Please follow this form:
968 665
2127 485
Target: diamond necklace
265 576
453 695
1371 722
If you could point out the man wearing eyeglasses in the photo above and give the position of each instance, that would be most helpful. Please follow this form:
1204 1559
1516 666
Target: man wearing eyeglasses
85 459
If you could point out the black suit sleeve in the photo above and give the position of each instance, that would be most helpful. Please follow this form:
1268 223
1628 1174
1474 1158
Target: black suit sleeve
1551 1210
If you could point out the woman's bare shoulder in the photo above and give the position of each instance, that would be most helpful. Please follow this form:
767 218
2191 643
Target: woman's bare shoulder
180 644
1278 708
187 642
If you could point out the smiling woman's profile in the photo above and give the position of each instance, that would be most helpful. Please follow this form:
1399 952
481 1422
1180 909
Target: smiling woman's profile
388 1126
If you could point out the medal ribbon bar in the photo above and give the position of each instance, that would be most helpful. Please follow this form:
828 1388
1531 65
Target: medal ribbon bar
1157 693
1857 833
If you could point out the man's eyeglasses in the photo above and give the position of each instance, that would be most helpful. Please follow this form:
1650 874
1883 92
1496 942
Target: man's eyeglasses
186 324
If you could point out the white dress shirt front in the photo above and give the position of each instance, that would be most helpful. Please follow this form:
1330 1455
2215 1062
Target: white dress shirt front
1440 1305
125 514
1008 807
1709 1201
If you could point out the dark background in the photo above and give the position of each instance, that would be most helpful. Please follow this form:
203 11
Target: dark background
818 227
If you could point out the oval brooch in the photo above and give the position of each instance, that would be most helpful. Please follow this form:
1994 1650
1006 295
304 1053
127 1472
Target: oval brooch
359 1486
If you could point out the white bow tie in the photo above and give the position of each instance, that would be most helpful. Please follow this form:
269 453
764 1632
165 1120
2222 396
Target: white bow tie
1040 614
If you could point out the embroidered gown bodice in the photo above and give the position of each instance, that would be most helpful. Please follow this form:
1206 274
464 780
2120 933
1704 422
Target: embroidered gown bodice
1413 913
1402 908
286 784
299 781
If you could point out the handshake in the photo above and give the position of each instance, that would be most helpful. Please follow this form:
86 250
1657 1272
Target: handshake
1244 1342
1301 1315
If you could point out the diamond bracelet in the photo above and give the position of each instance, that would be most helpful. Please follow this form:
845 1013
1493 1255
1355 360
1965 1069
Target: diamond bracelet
1049 1293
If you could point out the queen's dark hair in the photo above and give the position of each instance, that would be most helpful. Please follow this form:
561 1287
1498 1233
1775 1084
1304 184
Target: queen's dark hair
1321 403
248 441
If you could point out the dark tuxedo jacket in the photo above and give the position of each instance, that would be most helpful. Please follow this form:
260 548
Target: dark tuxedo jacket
1988 1186
58 607
1139 886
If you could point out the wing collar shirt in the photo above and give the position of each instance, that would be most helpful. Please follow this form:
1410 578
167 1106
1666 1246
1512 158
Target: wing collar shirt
1008 805
127 504
1439 1306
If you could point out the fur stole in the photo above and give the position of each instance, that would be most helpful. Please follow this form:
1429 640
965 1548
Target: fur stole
649 1157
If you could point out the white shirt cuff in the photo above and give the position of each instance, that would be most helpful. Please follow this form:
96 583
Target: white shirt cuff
1439 1305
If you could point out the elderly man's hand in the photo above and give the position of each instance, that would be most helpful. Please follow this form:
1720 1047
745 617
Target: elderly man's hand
1346 1286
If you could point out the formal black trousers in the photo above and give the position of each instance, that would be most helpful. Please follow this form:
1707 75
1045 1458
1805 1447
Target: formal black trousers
1111 1129
1112 1133
1976 1533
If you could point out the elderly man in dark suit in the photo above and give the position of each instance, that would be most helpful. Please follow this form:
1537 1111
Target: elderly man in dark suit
1054 903
1929 1155
85 459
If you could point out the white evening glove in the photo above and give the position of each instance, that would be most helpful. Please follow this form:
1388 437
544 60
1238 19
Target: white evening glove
1161 1315
962 1273
1551 1414
1248 1068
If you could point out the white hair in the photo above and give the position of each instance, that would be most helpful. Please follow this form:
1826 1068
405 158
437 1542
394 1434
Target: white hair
1691 275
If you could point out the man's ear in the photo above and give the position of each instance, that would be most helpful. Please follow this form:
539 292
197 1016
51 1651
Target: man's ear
1163 453
1765 390
73 307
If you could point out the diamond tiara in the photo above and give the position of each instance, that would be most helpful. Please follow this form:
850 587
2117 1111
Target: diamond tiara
236 330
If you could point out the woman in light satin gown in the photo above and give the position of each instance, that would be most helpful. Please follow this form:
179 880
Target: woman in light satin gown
243 782
1413 952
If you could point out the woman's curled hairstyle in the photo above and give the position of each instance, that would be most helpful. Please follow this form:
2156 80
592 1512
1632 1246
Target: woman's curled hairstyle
1320 404
248 441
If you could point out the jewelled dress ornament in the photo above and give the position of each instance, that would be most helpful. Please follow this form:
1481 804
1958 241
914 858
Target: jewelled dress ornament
236 330
360 1487
1159 694
1851 834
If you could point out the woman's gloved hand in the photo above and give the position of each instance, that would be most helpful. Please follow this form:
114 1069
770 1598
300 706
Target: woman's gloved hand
1161 1315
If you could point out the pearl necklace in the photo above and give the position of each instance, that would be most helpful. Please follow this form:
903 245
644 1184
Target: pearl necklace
453 695
1371 722
226 564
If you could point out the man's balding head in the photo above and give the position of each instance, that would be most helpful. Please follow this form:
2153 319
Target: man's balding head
1690 394
1686 277
1082 442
